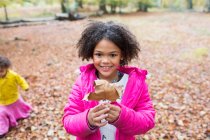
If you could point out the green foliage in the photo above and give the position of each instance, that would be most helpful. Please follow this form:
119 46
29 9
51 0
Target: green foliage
164 3
23 2
117 2
147 2
199 2
91 2
182 3
144 4
4 3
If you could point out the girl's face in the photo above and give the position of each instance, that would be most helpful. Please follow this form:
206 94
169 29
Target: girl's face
3 72
106 59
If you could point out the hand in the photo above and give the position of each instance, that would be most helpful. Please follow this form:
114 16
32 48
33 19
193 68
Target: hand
114 113
97 114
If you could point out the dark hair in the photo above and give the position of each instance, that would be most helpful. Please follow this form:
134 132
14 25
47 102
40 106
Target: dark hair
118 34
4 62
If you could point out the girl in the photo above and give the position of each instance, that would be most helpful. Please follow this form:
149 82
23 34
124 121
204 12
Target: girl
111 47
12 106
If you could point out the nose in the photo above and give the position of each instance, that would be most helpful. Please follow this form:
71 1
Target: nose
105 59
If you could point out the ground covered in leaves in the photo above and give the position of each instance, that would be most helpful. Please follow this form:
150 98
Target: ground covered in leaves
175 51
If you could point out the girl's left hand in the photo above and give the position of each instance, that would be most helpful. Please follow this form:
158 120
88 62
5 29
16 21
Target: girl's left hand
113 113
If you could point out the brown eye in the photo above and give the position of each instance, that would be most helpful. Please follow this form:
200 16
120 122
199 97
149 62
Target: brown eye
113 55
97 54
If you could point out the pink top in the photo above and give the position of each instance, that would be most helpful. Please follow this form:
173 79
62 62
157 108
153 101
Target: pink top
137 112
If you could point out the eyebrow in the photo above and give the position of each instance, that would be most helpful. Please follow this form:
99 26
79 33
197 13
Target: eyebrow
108 52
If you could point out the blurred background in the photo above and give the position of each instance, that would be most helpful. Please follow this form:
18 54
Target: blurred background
16 9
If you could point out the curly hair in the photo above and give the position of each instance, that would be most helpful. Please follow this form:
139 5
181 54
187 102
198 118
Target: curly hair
4 62
117 33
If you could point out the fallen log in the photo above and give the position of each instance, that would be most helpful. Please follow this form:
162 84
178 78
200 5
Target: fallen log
38 21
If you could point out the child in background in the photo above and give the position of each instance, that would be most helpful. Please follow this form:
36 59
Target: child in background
12 106
110 46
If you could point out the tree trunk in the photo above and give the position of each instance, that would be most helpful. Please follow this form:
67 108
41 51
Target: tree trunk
190 4
120 7
159 3
102 6
208 5
6 14
142 7
63 6
80 3
113 8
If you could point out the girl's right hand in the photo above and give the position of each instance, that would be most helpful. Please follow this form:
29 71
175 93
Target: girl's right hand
97 114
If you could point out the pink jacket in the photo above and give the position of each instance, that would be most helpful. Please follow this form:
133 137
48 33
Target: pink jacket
137 112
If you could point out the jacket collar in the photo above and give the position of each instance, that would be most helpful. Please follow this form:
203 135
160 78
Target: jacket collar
88 67
7 74
133 88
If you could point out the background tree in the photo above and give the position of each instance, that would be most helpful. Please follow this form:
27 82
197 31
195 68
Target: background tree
143 5
102 6
80 3
64 6
113 5
189 4
5 3
208 5
122 4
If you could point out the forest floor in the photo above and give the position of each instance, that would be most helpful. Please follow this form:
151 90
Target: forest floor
175 50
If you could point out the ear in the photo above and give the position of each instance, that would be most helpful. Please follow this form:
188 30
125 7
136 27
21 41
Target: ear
122 62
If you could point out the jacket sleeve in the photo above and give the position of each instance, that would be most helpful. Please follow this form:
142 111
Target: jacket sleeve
22 82
138 120
75 116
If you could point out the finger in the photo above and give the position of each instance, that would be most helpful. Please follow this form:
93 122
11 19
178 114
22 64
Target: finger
99 118
101 112
97 108
94 117
100 107
100 124
113 112
110 118
114 107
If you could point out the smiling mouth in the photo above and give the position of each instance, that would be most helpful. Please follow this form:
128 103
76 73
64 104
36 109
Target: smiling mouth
106 68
